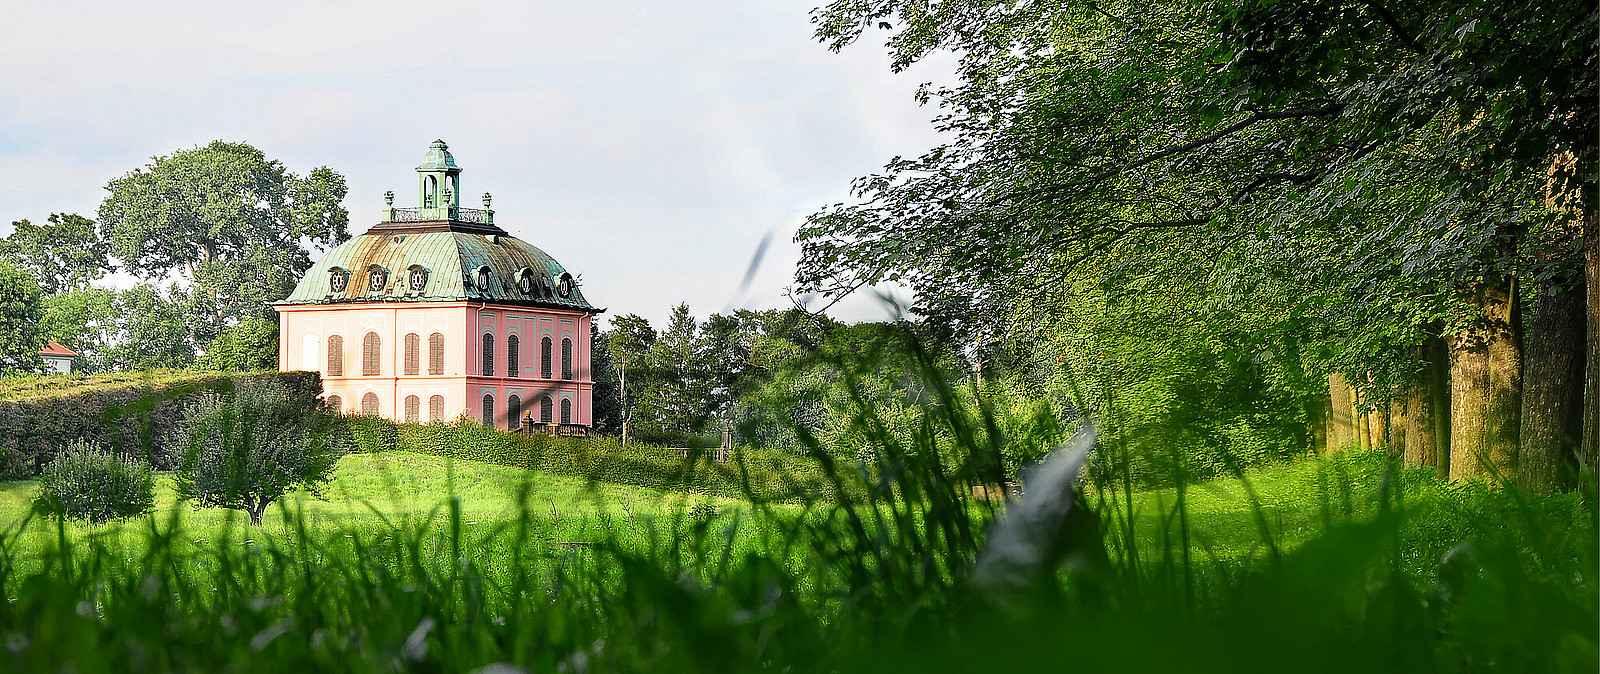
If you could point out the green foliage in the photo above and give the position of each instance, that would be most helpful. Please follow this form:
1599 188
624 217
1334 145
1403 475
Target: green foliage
19 321
85 320
132 413
250 345
65 255
139 328
88 482
230 221
247 448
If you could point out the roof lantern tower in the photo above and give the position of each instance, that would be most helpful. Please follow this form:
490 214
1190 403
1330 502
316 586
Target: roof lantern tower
438 194
439 184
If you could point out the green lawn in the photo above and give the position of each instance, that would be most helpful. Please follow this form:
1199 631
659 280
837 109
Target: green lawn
376 494
380 493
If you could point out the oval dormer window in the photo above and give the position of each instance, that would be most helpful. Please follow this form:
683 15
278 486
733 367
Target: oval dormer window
377 278
483 279
525 281
338 279
418 278
565 289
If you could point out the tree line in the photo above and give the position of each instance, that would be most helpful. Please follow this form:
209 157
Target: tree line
212 234
1258 224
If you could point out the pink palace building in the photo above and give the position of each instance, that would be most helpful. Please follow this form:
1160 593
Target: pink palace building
435 313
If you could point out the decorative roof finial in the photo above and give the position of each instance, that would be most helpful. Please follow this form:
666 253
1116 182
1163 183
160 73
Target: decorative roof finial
487 200
388 198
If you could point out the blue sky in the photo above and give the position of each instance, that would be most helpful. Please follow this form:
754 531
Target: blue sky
647 146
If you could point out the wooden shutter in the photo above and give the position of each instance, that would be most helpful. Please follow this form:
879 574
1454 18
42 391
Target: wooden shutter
566 359
544 358
513 413
513 345
566 410
337 404
369 404
335 356
413 411
370 355
488 410
436 408
413 346
488 355
436 356
546 410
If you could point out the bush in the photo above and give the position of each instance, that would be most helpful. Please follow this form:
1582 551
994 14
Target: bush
88 482
247 449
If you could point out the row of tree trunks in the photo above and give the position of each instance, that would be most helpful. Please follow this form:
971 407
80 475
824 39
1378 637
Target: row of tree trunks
1552 387
1485 382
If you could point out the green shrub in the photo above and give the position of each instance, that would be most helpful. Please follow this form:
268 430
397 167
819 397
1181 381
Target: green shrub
248 448
88 482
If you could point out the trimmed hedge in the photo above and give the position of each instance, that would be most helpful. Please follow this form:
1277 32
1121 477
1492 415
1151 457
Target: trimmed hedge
772 476
130 413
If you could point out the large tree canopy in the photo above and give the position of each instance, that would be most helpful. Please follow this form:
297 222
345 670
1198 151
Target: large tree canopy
227 219
1083 127
65 254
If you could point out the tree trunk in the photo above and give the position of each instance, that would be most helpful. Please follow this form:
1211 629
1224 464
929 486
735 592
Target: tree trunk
1485 370
1317 421
1591 402
1396 424
1552 390
1427 427
1341 414
255 510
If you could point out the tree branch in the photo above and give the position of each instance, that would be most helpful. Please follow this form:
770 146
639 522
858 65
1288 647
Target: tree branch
1394 25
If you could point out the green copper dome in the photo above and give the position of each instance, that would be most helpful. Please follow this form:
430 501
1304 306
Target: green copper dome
439 266
439 252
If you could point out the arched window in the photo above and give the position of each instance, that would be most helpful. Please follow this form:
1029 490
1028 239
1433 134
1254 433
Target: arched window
546 410
513 345
488 410
566 410
544 358
566 358
513 412
436 353
413 404
335 356
369 404
436 408
336 404
430 192
413 346
488 355
370 355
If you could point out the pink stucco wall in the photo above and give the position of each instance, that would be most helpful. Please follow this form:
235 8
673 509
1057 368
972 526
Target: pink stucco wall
304 331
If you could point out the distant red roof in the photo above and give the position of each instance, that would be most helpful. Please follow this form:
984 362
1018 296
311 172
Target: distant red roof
54 349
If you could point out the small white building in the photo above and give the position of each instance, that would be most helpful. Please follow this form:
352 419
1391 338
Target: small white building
57 358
